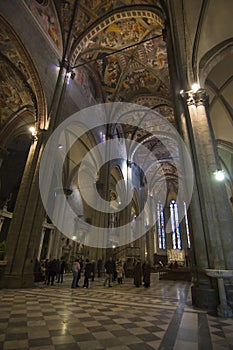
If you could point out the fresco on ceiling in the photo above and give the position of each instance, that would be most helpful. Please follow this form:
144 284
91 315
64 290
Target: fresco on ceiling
66 13
8 49
122 33
13 93
47 18
140 66
166 112
91 10
82 20
83 80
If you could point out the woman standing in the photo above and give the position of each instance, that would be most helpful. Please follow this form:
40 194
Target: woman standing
146 273
137 273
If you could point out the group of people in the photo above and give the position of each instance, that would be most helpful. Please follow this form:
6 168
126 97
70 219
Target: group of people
89 272
53 270
113 271
142 273
48 271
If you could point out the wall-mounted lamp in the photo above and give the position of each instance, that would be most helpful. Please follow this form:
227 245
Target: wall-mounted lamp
71 74
195 87
33 131
219 175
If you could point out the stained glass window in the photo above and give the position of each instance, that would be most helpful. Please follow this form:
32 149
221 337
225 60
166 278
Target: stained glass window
176 237
161 226
187 225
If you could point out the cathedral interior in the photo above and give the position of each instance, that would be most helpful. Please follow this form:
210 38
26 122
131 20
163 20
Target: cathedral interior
116 139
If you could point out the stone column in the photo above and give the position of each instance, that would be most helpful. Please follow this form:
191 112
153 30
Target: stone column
212 219
55 248
25 230
41 243
50 255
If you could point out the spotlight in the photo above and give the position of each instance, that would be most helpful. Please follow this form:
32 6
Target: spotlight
195 87
219 175
32 130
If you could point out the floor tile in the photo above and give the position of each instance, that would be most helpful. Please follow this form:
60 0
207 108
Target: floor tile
118 318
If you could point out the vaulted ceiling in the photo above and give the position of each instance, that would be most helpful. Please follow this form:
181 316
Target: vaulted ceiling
118 47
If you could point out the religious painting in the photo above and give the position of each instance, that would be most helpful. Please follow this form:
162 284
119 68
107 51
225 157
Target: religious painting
45 14
13 93
9 50
175 255
85 84
130 55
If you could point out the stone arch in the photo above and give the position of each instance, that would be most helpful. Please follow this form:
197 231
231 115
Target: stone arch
213 57
22 63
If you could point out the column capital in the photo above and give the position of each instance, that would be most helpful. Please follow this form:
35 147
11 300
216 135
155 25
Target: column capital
201 97
198 98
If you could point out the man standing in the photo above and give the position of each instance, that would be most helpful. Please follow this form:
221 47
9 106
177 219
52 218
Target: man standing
61 270
109 270
99 266
75 270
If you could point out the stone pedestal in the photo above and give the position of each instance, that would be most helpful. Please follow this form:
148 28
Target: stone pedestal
204 298
223 309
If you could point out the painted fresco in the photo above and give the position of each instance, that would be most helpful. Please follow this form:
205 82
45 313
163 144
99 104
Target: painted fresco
85 84
140 66
9 50
13 93
92 10
47 18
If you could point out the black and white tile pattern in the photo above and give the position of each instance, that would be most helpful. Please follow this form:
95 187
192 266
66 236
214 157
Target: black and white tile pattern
118 318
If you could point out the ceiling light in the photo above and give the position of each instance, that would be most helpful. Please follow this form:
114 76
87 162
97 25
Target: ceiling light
195 87
219 175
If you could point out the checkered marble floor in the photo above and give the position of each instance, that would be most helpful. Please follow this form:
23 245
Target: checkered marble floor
118 318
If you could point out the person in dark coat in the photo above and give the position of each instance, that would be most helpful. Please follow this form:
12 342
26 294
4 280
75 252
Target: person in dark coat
52 269
61 270
99 266
109 269
92 270
137 272
87 273
146 269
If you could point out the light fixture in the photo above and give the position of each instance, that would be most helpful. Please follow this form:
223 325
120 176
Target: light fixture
74 237
70 74
33 131
219 175
195 87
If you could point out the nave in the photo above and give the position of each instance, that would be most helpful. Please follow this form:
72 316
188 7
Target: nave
119 318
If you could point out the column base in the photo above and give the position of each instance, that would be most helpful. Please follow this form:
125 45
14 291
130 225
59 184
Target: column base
205 298
225 311
17 281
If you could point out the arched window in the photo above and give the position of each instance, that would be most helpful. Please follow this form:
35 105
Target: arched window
161 227
187 226
176 238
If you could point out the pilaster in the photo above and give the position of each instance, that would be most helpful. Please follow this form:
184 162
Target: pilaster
211 215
